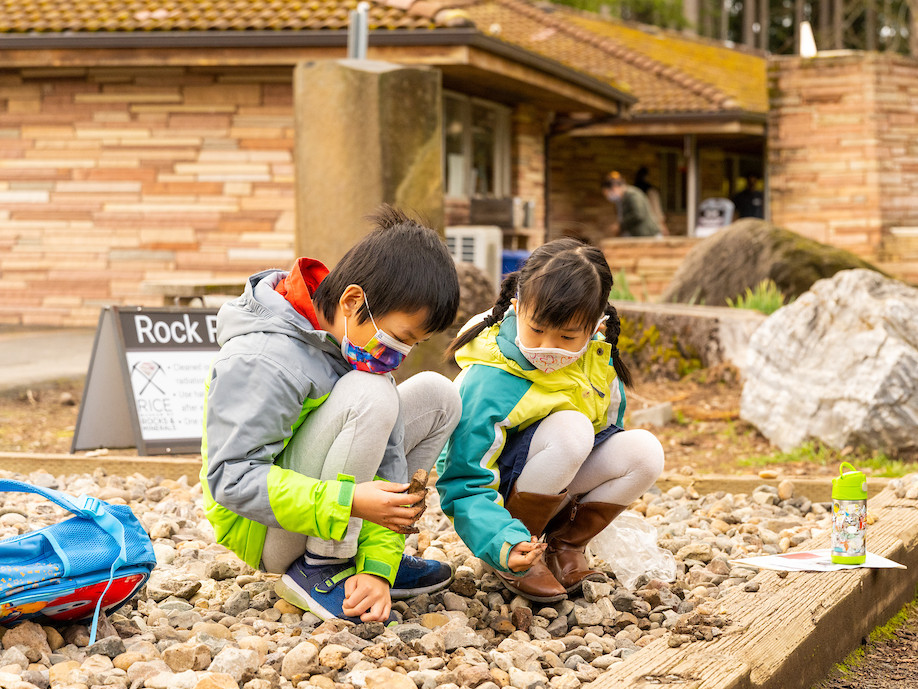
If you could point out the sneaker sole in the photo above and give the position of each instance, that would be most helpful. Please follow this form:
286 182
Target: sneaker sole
402 594
287 589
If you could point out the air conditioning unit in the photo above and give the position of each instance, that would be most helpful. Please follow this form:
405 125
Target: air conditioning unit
481 245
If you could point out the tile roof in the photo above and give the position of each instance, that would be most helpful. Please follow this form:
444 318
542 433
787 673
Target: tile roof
667 71
19 16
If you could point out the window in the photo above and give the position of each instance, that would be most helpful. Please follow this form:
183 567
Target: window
476 147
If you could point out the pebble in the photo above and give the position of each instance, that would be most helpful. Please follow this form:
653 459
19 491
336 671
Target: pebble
205 620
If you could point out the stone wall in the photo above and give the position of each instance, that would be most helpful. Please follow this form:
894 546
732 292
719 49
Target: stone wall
843 149
527 170
649 263
112 177
115 178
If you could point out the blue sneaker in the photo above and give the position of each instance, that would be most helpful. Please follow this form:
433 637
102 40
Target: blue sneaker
319 589
416 576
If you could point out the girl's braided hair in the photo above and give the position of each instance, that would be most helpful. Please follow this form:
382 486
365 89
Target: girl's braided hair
564 282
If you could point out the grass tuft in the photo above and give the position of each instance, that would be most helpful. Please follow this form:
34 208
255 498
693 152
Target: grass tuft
765 298
869 461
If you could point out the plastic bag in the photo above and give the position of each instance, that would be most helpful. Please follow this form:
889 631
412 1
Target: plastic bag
629 547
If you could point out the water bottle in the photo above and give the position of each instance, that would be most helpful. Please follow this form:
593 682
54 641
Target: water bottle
849 516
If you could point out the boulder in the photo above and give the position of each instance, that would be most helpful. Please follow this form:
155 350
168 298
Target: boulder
838 366
743 254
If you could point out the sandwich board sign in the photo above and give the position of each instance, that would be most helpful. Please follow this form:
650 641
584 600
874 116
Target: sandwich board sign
145 385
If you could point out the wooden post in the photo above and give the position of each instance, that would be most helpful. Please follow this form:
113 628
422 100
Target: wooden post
838 23
764 24
691 203
798 20
749 16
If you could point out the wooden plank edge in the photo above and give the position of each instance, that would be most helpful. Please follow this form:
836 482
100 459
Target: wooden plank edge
167 467
865 599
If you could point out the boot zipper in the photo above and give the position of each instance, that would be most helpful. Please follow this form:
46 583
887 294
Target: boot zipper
575 503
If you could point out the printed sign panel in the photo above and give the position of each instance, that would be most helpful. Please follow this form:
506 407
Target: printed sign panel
154 360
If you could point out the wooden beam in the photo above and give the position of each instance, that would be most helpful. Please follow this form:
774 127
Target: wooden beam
672 128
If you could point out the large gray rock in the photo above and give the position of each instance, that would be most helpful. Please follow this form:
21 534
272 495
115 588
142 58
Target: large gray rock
749 251
839 365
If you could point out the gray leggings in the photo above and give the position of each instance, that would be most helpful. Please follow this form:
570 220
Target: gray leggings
348 434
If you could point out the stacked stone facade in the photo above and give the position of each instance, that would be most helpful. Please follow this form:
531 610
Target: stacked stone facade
843 153
113 177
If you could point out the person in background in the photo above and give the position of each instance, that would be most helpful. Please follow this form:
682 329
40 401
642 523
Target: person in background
750 202
653 197
635 218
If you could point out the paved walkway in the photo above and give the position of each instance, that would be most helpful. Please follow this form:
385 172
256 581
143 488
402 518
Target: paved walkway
31 356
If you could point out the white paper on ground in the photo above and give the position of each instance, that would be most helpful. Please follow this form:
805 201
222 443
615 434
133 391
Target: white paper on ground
813 561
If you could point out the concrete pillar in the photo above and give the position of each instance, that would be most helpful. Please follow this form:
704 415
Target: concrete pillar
367 133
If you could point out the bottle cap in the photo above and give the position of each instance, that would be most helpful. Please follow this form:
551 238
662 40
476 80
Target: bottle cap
850 484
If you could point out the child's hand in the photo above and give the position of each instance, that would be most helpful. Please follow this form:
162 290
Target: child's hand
386 504
524 554
367 596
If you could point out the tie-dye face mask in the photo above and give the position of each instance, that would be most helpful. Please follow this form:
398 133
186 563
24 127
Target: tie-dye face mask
381 354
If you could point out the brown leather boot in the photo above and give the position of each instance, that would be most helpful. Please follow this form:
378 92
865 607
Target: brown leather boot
567 538
534 510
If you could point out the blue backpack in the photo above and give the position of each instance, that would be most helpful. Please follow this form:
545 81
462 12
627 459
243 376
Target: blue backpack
70 571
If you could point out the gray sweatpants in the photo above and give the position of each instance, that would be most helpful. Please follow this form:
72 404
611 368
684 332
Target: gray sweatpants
348 434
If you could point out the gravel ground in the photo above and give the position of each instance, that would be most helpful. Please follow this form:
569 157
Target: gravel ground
205 620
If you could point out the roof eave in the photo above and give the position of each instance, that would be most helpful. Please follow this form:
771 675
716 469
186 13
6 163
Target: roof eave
740 122
470 37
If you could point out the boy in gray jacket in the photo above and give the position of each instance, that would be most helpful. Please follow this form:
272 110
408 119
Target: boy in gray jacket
308 442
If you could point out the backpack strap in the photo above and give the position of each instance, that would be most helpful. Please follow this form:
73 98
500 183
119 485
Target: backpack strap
61 499
86 507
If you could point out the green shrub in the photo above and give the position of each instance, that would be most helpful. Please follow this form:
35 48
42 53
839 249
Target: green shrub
766 298
620 290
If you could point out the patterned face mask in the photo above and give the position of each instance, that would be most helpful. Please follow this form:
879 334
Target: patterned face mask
382 352
550 359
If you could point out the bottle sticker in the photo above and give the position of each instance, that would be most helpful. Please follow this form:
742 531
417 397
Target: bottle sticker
849 525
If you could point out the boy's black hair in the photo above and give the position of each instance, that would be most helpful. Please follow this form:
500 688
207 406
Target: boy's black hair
401 266
564 281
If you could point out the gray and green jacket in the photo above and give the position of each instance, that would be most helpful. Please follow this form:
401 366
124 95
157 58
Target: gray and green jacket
272 370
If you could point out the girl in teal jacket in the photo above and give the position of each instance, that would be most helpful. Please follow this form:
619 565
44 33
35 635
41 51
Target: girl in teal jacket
540 448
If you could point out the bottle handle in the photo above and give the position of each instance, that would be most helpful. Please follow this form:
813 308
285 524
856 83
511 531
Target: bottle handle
841 468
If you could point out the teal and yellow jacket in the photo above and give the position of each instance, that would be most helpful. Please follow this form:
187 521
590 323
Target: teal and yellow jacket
274 368
503 393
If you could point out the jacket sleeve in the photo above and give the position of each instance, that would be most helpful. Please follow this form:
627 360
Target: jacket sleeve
379 551
468 474
253 403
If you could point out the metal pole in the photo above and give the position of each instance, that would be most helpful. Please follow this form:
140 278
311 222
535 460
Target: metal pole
358 32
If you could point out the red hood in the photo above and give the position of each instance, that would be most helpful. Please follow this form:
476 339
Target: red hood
300 284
